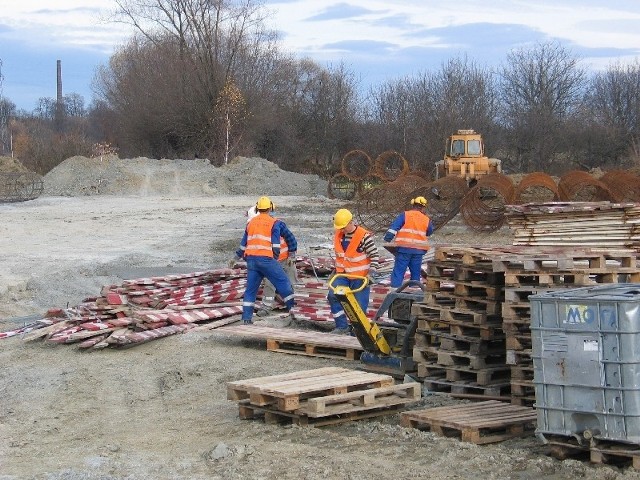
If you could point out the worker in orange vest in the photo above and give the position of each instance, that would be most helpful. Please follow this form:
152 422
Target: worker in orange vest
356 254
287 258
409 231
260 247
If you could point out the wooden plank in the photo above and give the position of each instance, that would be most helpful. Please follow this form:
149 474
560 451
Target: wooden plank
239 389
362 400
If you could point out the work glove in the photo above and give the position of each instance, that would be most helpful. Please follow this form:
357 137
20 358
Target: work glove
232 262
291 261
371 276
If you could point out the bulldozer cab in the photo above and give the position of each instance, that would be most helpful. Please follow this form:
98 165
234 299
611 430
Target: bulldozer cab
464 157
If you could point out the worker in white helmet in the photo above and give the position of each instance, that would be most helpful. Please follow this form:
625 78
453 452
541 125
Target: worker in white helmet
260 247
409 232
287 258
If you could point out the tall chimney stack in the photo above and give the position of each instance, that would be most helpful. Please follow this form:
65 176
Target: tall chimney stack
59 114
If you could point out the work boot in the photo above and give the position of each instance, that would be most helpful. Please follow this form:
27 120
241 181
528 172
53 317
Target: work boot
341 331
247 322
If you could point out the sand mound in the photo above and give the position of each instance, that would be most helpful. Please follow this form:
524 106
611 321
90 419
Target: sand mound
78 176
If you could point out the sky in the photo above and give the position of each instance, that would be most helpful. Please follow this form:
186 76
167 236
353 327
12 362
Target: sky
377 40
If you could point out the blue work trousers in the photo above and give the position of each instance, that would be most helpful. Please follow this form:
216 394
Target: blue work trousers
404 260
362 297
257 269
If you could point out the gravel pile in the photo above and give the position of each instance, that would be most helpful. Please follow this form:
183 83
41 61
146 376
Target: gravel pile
141 176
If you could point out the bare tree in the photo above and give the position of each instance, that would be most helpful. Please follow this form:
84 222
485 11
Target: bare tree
199 46
613 104
540 88
416 114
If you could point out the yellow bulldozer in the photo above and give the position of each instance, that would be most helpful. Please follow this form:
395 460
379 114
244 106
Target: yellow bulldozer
464 157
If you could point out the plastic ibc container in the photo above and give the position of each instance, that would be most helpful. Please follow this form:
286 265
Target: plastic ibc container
586 359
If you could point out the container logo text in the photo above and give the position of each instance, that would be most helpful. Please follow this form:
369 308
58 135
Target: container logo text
578 314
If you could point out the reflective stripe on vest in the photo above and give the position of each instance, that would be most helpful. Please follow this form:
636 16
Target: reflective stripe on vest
259 236
284 250
350 260
413 233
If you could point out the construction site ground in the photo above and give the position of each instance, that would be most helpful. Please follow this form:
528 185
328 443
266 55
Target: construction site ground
160 410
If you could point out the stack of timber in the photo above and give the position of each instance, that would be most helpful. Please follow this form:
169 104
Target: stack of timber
576 224
530 271
480 423
460 344
323 396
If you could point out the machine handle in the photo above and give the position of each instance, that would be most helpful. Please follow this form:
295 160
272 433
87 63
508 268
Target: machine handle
350 277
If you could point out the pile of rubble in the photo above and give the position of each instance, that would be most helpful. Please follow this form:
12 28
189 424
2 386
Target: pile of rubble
110 175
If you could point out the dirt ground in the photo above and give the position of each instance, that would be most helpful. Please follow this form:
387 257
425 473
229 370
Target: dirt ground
159 410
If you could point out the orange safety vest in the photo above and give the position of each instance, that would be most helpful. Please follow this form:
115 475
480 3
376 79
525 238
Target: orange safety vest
259 236
413 233
350 260
284 250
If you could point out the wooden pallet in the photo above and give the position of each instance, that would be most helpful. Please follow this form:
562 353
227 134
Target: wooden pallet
454 270
567 259
287 392
473 346
299 342
437 384
431 370
480 423
270 415
484 376
600 452
300 347
459 359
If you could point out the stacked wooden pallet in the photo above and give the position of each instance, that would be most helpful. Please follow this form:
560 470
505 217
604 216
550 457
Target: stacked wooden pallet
459 344
323 396
535 270
576 224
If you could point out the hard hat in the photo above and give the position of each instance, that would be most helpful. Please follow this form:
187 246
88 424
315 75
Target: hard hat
265 203
342 218
419 201
252 213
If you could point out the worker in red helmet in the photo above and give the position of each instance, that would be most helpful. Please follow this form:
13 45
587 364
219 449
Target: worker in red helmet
260 247
356 254
409 232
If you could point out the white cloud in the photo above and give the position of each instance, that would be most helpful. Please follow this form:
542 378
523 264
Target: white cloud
377 39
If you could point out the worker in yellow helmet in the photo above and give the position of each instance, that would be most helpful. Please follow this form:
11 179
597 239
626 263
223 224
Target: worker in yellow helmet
409 232
356 254
287 258
260 247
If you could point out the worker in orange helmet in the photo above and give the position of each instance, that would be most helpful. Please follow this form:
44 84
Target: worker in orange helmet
260 247
409 231
356 254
